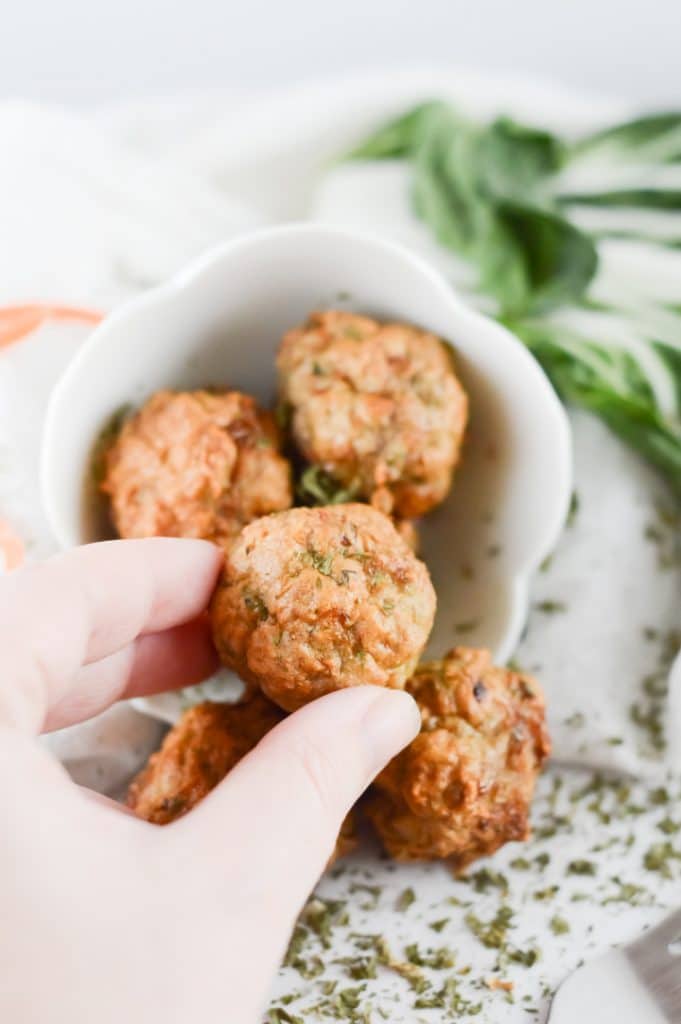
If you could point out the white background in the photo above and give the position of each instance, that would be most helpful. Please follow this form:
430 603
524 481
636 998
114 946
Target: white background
84 51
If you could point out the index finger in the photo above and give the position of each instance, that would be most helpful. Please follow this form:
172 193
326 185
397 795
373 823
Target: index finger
87 604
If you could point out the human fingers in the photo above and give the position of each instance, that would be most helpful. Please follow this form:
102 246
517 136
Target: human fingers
87 604
286 800
153 663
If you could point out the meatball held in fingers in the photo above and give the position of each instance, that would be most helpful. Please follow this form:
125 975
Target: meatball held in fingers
318 599
199 752
377 406
195 464
464 786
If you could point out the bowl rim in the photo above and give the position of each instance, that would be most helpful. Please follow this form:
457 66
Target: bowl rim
185 279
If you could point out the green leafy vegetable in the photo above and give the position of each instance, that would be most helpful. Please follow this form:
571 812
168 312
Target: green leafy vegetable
317 487
656 135
468 186
445 192
496 195
609 383
396 138
514 157
672 357
642 198
558 259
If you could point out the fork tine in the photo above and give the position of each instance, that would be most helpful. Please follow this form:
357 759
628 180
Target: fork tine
657 967
606 990
662 934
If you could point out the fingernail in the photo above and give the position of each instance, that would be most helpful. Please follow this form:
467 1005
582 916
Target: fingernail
391 721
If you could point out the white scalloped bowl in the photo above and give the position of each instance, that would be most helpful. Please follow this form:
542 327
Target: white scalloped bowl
219 323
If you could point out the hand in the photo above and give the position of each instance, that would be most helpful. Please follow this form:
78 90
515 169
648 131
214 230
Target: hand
106 918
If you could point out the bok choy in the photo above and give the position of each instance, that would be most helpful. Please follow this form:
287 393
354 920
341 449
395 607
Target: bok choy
549 225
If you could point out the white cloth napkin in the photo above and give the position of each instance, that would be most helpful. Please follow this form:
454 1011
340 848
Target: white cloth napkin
95 208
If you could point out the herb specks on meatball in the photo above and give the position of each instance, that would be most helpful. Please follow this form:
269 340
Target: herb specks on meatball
316 599
197 753
376 406
195 464
464 786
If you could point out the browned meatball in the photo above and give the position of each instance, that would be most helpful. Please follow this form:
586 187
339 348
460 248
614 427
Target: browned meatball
347 839
377 406
195 464
463 787
196 754
409 532
317 599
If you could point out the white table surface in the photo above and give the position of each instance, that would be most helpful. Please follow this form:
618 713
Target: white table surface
78 52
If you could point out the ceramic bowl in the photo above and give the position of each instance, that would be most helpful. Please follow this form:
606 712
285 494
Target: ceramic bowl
219 323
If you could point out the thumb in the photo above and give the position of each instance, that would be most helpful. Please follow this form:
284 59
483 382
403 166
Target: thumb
250 853
287 799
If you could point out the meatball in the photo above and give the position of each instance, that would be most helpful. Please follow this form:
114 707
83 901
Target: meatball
377 406
317 599
463 787
409 532
196 754
195 464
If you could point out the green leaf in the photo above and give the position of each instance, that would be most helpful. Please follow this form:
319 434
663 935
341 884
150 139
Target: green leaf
611 385
503 270
487 193
317 487
639 132
444 189
632 198
529 258
398 138
514 157
446 195
672 358
633 235
559 260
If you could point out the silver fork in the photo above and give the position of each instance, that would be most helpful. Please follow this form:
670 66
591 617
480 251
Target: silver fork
636 984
